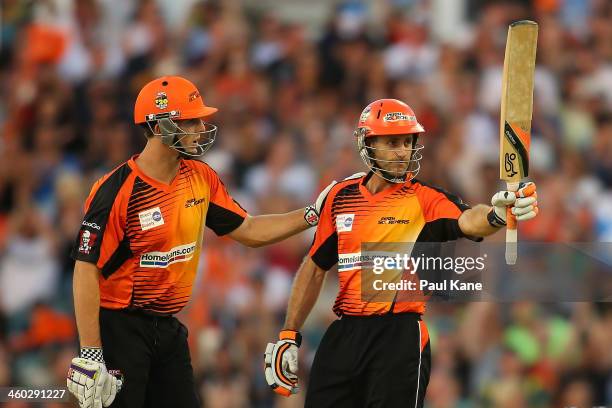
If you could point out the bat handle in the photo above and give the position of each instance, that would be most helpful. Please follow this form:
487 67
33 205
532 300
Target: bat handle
511 230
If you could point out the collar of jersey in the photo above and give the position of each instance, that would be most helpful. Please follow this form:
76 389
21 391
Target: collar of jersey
150 180
381 194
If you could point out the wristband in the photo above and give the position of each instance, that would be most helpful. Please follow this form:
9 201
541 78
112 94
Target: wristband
92 353
494 220
311 216
294 335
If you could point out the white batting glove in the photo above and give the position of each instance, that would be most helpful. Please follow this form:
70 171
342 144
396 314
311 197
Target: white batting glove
312 212
523 204
281 363
89 381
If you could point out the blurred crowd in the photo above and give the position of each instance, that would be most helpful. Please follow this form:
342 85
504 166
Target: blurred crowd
289 92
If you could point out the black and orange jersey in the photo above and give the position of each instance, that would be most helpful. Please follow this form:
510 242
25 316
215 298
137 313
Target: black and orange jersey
352 216
145 236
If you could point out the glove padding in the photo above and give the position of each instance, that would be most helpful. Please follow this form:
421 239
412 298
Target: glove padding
91 384
523 204
281 363
312 212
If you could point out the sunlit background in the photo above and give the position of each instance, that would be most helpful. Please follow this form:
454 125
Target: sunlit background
290 79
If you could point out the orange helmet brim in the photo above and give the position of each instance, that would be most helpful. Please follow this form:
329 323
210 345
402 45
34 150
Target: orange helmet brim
200 113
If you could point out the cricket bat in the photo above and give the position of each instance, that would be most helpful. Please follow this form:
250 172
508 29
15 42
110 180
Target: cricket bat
515 119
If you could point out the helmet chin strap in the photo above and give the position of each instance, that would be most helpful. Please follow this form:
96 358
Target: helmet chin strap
388 176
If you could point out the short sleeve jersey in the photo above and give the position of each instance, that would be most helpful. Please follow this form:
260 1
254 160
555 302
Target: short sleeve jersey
351 216
145 236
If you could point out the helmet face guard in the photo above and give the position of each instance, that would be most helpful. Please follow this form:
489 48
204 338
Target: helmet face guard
367 154
172 134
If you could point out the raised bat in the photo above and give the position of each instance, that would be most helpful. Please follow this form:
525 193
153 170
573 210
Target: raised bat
515 120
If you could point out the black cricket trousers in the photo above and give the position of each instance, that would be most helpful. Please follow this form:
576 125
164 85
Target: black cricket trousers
152 354
371 361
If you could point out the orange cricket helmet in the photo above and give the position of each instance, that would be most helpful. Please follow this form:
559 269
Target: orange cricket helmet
171 95
389 117
169 99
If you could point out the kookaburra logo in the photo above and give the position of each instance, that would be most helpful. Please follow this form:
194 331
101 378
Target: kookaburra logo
509 164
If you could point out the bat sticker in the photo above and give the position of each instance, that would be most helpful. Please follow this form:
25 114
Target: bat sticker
520 148
509 164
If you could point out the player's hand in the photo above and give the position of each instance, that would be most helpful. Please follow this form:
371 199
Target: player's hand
312 212
89 381
523 204
281 363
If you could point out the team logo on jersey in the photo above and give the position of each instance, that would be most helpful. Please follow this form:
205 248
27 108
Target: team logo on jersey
344 222
161 100
162 259
87 239
397 116
391 221
192 202
151 218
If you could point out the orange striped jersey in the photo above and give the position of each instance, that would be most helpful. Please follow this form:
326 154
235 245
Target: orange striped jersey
352 216
145 236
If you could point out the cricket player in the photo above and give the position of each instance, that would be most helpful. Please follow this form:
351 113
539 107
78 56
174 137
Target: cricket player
137 253
377 354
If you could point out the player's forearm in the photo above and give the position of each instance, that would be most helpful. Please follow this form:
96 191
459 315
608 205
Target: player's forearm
304 294
86 291
473 222
263 230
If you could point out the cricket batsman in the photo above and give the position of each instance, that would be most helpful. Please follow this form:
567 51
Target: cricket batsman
377 354
137 253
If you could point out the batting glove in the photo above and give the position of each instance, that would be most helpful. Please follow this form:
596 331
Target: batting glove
312 212
281 363
523 204
89 381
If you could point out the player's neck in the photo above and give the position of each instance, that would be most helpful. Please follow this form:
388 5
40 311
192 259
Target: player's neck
376 184
158 161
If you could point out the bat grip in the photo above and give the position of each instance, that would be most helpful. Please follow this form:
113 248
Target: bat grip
511 229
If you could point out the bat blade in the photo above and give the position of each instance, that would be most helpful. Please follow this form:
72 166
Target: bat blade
516 112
